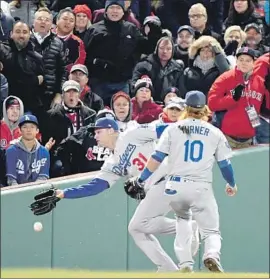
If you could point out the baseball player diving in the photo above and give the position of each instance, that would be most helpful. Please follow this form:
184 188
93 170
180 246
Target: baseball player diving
131 150
191 147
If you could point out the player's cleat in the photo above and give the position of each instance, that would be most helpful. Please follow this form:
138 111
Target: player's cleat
186 270
195 239
213 265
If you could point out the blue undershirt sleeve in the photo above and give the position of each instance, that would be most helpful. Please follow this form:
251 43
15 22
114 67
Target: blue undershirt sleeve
94 187
227 171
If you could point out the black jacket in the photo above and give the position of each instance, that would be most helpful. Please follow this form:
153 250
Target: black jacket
181 54
209 32
22 68
162 78
80 153
91 99
113 48
54 59
59 126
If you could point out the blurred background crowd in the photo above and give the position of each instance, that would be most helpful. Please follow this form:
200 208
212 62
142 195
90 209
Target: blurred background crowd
65 63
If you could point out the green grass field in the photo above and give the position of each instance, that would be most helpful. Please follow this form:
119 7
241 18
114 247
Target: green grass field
45 273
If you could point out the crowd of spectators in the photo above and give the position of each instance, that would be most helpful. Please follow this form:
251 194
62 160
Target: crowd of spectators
66 63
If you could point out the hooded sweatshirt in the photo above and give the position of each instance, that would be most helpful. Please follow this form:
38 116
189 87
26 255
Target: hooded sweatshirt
26 166
9 130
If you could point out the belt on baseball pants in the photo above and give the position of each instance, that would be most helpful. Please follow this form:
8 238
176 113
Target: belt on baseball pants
180 179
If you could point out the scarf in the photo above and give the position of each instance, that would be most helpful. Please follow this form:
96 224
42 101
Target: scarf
205 66
74 116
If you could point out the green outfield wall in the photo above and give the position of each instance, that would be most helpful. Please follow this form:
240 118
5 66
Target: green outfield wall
91 233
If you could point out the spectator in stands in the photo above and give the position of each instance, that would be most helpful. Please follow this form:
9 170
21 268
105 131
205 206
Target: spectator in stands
113 47
169 93
198 20
162 69
185 37
236 98
129 16
122 108
3 92
24 10
52 50
83 20
23 68
4 6
58 5
254 39
207 62
144 109
80 152
172 110
26 159
3 180
6 25
234 38
68 117
9 129
74 46
242 13
79 73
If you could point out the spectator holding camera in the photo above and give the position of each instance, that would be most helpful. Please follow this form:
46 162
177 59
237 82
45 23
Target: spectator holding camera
9 129
236 98
26 159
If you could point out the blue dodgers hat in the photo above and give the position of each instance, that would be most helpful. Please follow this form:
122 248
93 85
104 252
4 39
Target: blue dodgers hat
106 123
195 99
28 118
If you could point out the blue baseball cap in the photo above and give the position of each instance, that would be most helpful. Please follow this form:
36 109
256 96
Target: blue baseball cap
195 99
106 123
28 118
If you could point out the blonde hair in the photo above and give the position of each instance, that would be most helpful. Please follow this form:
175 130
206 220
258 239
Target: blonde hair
199 6
234 28
197 113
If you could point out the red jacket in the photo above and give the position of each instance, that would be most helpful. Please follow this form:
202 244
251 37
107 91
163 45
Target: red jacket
262 65
235 122
149 112
6 135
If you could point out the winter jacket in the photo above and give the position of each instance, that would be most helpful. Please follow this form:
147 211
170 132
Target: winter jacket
208 32
181 54
193 78
80 152
113 48
235 122
162 78
74 51
6 25
3 92
54 60
22 68
9 131
59 126
58 5
91 99
26 166
149 111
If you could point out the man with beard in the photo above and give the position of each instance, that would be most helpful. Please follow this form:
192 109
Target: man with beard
185 37
23 68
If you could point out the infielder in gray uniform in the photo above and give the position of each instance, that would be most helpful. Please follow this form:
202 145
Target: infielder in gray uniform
191 147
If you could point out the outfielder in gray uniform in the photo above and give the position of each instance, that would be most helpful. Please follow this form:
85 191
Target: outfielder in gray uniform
130 152
191 147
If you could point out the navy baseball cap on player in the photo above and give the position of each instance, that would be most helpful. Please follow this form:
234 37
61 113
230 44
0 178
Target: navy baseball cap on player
195 99
106 123
28 118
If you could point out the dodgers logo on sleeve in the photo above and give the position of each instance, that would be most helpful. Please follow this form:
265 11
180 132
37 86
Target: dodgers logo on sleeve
124 160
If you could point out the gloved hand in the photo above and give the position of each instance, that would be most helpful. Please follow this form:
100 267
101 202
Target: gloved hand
237 92
155 30
231 47
101 63
134 189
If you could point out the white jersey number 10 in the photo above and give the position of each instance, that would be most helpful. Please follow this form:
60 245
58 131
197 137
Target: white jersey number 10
193 151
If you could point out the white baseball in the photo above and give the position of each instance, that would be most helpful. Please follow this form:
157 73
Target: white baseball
38 226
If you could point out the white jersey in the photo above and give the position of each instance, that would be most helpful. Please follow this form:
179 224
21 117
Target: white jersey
133 149
193 146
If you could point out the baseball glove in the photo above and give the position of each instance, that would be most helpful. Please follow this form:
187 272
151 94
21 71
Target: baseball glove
134 189
44 202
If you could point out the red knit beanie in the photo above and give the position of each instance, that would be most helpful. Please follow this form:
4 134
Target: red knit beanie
84 9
